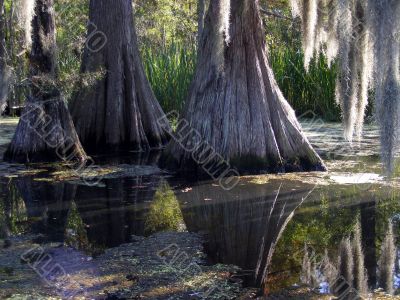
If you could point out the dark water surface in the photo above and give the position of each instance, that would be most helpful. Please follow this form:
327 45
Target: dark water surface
262 225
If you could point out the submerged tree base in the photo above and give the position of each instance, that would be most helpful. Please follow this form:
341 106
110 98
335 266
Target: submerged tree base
45 133
239 165
236 112
119 110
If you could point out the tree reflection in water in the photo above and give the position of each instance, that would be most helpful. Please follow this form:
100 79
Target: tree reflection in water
243 225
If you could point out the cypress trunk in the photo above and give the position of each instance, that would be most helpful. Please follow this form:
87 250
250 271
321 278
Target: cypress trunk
118 111
45 131
235 104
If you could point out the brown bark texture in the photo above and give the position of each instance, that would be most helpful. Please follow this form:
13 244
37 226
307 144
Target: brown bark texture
45 131
118 111
235 104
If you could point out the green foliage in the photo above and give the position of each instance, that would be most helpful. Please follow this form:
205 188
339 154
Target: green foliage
76 235
165 213
160 23
13 214
71 19
306 91
170 71
167 33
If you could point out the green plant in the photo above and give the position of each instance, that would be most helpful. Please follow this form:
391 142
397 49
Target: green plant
170 72
306 91
165 213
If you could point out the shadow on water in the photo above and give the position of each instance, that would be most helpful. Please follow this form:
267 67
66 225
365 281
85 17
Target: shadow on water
116 211
261 227
47 207
90 218
243 226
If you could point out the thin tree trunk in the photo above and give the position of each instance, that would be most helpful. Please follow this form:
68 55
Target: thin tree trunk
235 103
45 131
201 10
5 71
120 109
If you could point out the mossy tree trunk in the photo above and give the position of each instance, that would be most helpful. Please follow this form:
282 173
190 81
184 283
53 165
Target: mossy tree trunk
45 131
235 103
118 111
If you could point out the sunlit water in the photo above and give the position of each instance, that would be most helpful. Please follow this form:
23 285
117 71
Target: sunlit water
261 226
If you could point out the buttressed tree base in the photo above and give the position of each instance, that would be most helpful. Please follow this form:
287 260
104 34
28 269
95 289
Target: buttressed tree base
118 111
45 131
235 103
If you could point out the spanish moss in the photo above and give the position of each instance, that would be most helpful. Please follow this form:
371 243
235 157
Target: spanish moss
363 35
25 13
385 25
221 32
306 268
320 30
296 7
387 261
5 81
360 273
332 44
329 271
345 261
309 19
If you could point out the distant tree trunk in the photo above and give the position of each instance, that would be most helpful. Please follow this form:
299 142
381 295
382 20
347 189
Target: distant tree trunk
119 111
235 104
5 71
45 131
201 11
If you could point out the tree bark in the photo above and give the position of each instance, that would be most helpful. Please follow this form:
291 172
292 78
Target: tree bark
235 104
201 11
45 131
120 110
5 71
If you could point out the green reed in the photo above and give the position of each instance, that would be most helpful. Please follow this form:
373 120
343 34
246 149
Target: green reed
311 92
170 72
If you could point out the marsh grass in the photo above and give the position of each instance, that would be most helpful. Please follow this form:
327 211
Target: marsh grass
312 91
170 71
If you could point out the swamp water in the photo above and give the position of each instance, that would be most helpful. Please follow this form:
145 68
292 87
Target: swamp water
141 233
